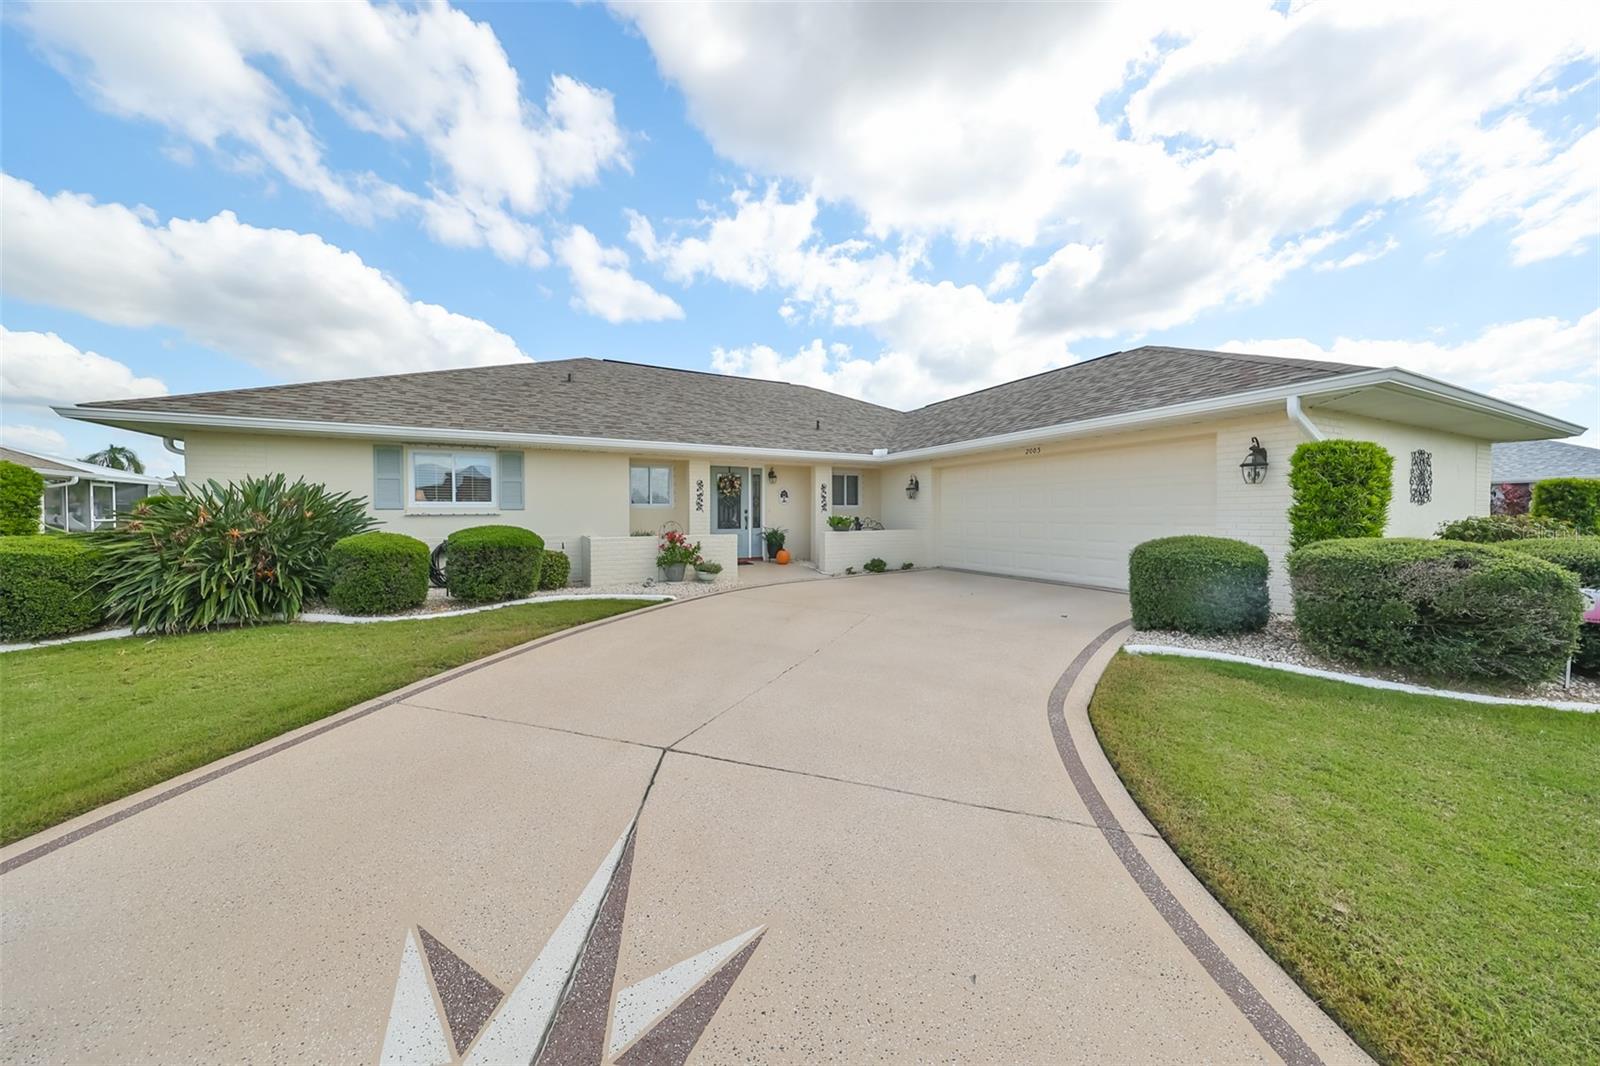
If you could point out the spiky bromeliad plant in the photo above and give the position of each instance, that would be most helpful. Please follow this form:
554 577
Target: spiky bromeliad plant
236 554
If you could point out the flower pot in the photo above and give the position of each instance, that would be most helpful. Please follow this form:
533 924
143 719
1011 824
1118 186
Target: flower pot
783 557
675 571
705 575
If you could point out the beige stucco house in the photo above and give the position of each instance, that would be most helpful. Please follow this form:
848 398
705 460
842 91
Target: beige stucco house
1054 476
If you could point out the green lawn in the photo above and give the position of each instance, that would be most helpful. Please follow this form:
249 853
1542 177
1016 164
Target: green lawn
1428 869
84 724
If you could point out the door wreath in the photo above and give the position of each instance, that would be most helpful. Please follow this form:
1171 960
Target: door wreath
729 484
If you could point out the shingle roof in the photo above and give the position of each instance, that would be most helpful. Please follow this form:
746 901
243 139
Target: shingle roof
1521 462
631 401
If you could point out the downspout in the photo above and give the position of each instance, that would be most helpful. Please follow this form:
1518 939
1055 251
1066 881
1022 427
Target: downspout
171 444
1298 413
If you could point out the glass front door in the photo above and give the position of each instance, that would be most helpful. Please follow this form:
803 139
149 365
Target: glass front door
737 491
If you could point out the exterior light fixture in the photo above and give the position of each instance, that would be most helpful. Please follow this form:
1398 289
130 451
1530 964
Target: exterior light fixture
1254 467
912 487
772 474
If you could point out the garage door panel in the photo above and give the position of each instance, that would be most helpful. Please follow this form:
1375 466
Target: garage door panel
1075 517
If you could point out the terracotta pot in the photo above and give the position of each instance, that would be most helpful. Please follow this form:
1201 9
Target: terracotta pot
783 557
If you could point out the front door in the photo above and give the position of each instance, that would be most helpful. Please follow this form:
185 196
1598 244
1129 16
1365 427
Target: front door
737 490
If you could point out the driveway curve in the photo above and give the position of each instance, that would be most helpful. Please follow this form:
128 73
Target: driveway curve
854 820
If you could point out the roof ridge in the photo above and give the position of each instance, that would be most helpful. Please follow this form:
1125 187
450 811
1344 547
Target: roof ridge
750 377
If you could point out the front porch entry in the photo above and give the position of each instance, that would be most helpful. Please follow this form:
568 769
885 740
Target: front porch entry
736 491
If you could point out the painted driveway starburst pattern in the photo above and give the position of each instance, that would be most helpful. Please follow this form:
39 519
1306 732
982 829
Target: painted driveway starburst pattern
560 1011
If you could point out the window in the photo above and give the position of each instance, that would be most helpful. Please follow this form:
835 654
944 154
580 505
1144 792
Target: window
847 490
452 479
650 486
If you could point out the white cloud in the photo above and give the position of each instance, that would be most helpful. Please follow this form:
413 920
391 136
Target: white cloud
1359 257
605 287
43 369
287 302
1005 278
39 440
219 74
1544 363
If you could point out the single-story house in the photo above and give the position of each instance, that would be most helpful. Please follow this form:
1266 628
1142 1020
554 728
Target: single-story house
1054 476
81 496
1518 465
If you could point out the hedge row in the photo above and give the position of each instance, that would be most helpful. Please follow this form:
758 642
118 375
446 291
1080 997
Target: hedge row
47 586
21 490
1581 555
555 571
378 573
1497 528
1573 500
489 563
1198 585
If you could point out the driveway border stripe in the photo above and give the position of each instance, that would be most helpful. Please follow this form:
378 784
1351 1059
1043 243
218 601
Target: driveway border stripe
1273 1027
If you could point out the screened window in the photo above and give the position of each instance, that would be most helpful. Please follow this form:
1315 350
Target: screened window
452 479
847 490
650 486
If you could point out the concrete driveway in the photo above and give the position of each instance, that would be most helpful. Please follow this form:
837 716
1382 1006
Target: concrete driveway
851 820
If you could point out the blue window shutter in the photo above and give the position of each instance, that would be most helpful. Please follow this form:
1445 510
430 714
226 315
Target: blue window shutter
388 477
511 481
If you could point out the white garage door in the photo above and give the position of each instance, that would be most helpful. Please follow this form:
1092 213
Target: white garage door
1075 517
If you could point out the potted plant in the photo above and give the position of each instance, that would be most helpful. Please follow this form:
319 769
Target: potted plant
707 571
674 553
840 523
775 538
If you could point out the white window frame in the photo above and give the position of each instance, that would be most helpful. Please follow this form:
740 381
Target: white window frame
839 497
416 506
672 482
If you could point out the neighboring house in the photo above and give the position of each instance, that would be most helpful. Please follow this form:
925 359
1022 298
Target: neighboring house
1054 476
82 496
1519 465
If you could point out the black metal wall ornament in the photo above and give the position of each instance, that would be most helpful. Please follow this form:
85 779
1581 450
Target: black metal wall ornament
1254 467
1421 476
824 488
699 494
913 487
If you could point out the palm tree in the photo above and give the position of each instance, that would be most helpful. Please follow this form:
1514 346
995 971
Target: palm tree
117 457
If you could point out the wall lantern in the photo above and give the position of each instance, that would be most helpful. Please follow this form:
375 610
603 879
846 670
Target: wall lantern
912 488
772 474
1254 467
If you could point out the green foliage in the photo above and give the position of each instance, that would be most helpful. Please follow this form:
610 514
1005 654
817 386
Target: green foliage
1495 528
47 586
1573 500
705 567
840 522
1438 608
21 491
907 566
775 538
238 554
874 566
1581 555
1341 489
1198 585
555 571
378 573
490 563
117 457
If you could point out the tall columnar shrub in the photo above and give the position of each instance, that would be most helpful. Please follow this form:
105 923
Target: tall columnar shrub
1198 585
1574 500
1581 555
1341 489
378 573
1496 528
47 586
488 563
246 552
1438 608
21 490
555 571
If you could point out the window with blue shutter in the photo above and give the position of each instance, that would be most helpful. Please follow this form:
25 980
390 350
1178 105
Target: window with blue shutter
388 477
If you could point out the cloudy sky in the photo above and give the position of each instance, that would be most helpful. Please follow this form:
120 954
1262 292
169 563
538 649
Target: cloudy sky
895 202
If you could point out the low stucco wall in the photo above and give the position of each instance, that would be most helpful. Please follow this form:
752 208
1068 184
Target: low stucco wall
632 560
894 546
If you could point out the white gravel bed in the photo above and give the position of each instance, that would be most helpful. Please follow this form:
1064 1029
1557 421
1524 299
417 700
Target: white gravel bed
1279 642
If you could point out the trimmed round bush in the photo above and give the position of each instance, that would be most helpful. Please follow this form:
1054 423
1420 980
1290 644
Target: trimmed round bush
1496 528
21 490
1574 500
1341 489
490 563
1437 608
555 571
378 573
1198 584
47 586
1581 555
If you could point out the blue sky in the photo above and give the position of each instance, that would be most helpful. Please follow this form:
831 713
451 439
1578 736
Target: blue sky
896 202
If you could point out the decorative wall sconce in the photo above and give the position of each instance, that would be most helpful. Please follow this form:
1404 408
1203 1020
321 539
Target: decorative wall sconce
772 474
1254 467
912 488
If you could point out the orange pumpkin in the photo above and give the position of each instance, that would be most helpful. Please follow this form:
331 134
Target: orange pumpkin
782 558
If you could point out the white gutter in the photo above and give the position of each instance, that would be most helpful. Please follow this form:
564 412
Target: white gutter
1298 413
1391 376
172 445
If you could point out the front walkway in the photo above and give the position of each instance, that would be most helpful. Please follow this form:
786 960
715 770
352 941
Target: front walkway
821 821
